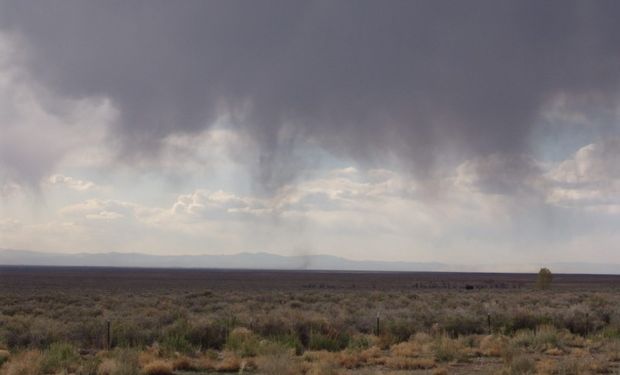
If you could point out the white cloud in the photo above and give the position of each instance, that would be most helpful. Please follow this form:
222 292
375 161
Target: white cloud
204 204
103 209
590 179
71 183
596 163
354 212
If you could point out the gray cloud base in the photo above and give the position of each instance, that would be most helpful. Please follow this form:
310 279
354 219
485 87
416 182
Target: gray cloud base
362 79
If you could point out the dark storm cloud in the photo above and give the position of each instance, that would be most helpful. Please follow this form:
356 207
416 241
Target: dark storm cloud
363 79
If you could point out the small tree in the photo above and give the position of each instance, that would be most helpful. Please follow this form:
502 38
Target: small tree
544 278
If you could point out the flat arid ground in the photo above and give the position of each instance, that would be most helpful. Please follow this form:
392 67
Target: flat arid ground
54 320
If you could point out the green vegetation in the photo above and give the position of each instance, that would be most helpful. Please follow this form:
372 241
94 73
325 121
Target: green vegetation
543 281
45 329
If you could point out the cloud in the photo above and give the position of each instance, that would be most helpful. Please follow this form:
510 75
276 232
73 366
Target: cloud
206 205
365 80
510 175
593 164
349 211
40 129
107 209
71 183
590 179
9 189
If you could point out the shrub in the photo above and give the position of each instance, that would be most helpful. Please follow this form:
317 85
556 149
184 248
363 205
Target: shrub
578 321
400 363
183 364
129 334
493 345
447 349
522 365
406 349
108 366
26 363
360 342
290 341
176 343
332 343
524 320
60 356
89 366
400 330
548 337
543 281
85 333
462 324
229 363
278 362
243 342
208 335
26 332
524 338
127 362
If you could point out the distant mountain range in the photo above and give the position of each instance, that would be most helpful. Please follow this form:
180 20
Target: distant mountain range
263 260
235 261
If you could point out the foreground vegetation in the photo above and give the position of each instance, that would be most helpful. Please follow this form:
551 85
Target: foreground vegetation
52 324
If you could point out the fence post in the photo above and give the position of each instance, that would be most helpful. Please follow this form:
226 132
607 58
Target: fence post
108 336
378 326
489 322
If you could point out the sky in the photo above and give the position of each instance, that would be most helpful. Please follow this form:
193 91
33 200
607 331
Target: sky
459 132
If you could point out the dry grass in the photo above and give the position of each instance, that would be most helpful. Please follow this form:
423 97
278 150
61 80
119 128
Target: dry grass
204 364
108 366
26 363
325 324
351 360
279 364
230 362
369 354
521 365
554 352
404 363
158 367
446 349
183 363
147 356
322 368
406 349
493 345
547 366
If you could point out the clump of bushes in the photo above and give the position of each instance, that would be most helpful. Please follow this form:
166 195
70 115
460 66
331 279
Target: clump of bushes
447 349
121 362
543 338
332 342
464 324
521 365
243 342
25 363
400 330
58 358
